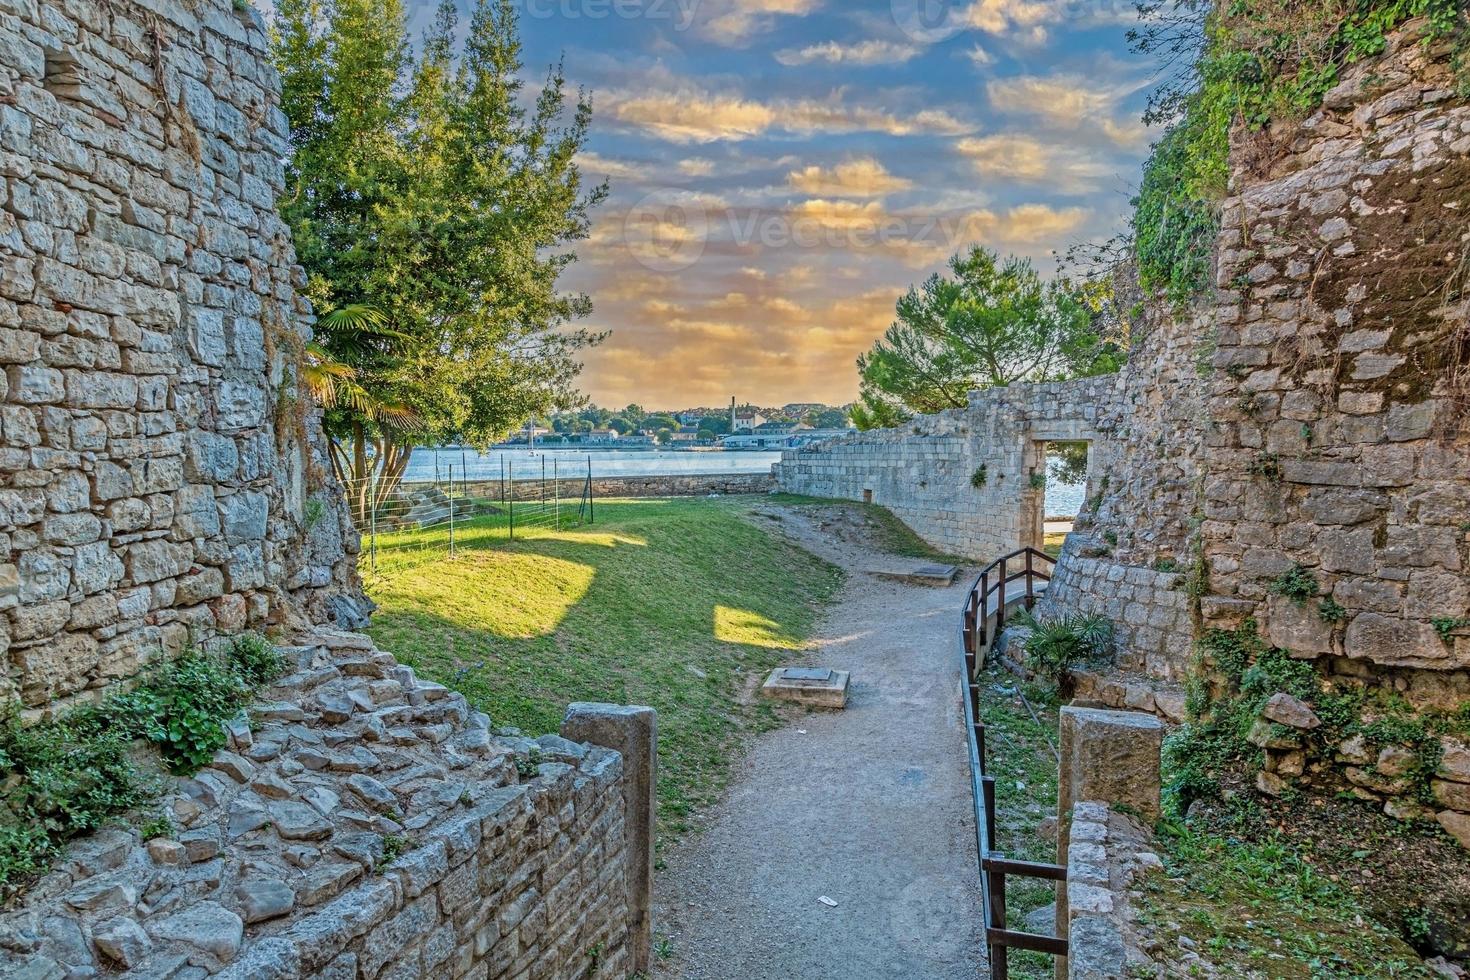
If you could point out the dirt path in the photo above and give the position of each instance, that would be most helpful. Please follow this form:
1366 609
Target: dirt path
869 807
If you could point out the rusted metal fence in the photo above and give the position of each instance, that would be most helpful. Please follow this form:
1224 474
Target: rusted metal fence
988 599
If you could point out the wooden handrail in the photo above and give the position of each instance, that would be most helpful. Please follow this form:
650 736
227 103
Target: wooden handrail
994 866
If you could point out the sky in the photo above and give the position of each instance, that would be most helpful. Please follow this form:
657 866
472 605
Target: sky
781 171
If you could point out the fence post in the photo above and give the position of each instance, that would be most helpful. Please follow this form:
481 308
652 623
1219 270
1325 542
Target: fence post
451 510
556 494
373 525
591 514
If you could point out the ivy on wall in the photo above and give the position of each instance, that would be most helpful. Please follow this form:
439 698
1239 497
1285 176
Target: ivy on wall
1257 60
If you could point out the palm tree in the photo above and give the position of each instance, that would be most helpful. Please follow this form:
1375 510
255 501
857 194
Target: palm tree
358 333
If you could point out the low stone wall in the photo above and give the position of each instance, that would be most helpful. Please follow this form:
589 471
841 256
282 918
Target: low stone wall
1106 851
1152 614
371 826
672 485
964 480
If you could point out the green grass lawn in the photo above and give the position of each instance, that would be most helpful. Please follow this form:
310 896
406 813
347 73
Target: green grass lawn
681 604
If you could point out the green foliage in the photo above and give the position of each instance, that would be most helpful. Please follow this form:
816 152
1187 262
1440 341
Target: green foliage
1038 481
1166 565
313 513
1223 704
1331 611
1174 225
980 477
874 411
1259 907
1057 645
989 323
69 776
1249 63
394 847
1446 627
160 826
442 196
528 765
1267 466
1066 462
1297 584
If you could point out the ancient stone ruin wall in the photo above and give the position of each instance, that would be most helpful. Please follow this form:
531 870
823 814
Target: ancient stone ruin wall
1338 442
160 472
927 470
370 826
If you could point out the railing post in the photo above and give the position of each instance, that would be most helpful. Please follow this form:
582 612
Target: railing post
1030 586
451 510
1000 599
984 616
999 967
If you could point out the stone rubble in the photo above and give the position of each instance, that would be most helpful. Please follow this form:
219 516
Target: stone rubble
368 824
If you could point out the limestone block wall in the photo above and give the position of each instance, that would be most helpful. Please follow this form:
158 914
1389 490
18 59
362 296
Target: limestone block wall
926 470
160 472
370 826
1152 614
1339 439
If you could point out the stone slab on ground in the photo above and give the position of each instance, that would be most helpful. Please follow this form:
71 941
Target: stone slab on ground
938 576
816 687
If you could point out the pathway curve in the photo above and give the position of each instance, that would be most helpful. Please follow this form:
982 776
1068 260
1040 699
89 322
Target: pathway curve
869 807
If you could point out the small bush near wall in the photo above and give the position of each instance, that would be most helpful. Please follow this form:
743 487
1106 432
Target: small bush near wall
69 776
1056 646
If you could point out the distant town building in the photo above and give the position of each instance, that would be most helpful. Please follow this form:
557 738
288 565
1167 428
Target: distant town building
748 421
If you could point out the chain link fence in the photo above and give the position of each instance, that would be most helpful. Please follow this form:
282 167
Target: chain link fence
467 503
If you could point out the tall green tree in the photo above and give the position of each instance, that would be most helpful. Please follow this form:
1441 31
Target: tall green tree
990 322
434 193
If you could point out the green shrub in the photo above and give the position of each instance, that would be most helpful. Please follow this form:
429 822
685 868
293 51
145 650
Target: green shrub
1298 584
980 477
1056 646
1331 611
69 776
255 659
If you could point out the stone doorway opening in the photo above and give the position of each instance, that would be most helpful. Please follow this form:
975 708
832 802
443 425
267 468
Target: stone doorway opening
1058 491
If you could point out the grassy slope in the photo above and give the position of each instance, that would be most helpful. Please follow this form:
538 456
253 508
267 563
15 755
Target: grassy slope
889 533
1253 908
679 604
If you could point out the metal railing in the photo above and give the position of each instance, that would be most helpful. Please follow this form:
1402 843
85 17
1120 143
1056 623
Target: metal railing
989 596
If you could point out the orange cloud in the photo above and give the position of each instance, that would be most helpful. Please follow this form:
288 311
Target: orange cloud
865 177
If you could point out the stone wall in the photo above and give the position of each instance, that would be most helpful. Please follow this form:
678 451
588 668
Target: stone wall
370 826
160 472
1152 613
1337 444
926 470
669 485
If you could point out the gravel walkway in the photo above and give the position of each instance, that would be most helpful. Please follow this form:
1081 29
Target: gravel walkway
868 807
